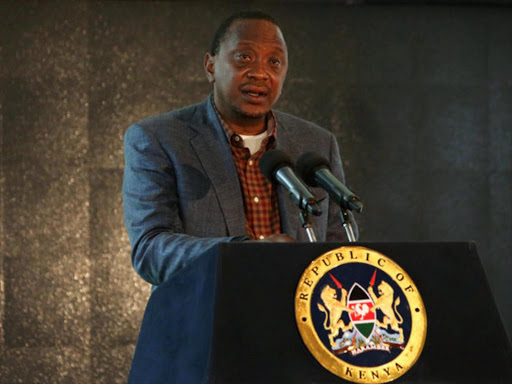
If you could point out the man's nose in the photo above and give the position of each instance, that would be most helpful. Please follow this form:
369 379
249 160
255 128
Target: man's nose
258 72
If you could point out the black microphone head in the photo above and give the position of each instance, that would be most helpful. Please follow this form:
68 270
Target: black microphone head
307 164
271 161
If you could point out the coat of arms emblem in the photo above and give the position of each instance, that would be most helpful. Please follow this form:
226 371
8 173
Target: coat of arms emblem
357 312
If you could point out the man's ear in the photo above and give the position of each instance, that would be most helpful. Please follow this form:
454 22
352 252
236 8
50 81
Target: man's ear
209 67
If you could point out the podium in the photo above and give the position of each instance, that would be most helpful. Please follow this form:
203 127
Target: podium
229 318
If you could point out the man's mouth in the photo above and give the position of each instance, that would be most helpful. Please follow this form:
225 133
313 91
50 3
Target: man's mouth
254 92
255 95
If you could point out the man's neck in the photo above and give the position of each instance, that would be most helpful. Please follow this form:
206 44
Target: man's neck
244 127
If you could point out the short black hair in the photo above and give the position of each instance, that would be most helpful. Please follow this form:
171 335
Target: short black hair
243 15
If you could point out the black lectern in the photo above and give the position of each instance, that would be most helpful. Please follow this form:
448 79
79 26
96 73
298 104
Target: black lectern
229 318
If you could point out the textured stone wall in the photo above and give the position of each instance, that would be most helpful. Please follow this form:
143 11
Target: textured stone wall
419 98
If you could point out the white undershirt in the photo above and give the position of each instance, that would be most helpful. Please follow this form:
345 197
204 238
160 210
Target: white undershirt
253 143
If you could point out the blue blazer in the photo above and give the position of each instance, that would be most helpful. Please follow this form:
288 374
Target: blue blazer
182 197
181 190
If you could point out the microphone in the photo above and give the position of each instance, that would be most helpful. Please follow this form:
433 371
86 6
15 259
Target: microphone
315 171
277 166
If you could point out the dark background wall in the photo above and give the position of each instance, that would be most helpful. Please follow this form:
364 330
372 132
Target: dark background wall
419 98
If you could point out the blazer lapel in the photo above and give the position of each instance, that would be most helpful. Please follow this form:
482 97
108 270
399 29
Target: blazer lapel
212 149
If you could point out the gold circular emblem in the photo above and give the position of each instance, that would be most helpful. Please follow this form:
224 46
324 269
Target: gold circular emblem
360 315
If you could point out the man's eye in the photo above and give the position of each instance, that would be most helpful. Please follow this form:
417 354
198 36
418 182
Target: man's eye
275 62
243 57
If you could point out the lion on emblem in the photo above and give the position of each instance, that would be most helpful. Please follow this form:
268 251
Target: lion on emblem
331 305
385 303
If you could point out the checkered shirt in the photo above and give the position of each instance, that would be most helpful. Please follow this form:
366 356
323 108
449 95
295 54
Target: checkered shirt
260 196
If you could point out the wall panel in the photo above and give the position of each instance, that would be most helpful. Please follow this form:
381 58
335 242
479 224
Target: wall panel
418 97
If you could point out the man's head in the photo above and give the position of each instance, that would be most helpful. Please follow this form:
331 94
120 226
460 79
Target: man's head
247 64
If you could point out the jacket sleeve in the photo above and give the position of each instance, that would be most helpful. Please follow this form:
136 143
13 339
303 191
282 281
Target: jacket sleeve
335 230
160 248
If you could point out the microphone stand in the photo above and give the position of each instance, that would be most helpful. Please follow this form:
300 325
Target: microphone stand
347 224
306 224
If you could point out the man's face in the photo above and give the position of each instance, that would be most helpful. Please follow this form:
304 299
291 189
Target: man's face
249 70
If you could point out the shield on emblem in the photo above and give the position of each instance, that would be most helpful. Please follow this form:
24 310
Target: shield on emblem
362 314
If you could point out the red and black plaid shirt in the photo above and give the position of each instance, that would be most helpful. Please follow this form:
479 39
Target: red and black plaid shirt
260 196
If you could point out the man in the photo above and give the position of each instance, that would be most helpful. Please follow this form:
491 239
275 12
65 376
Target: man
192 181
191 176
